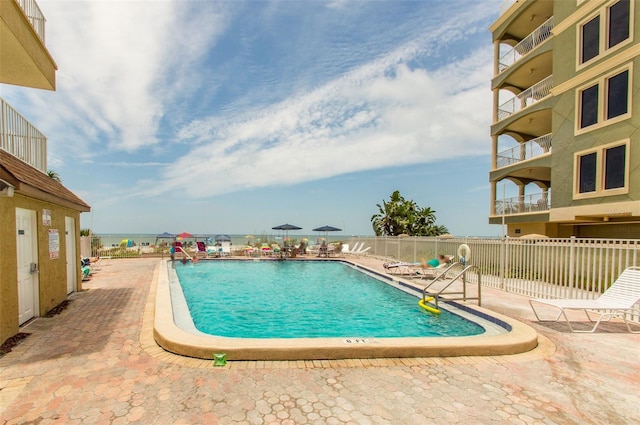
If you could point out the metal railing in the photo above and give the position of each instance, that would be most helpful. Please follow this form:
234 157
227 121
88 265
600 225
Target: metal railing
528 150
34 15
21 139
526 45
538 268
534 203
463 293
528 97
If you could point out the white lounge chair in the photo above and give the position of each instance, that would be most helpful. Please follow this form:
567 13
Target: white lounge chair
617 301
362 251
356 247
401 268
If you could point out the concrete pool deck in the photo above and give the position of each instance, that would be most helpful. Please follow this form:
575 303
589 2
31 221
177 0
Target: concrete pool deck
97 362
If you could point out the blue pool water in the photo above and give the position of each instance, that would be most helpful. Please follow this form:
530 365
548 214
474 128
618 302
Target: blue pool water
305 299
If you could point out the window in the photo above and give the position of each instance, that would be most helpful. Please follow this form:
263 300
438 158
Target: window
591 39
610 27
614 167
587 178
617 95
589 107
619 15
602 171
604 102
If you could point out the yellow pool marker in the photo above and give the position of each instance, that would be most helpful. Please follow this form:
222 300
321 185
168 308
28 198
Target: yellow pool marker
429 307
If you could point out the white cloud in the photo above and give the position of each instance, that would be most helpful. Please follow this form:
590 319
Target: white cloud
379 115
112 65
124 63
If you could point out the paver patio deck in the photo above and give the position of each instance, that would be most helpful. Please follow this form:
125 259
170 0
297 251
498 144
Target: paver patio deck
96 362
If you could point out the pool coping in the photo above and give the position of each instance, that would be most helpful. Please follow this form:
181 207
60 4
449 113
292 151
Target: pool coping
169 336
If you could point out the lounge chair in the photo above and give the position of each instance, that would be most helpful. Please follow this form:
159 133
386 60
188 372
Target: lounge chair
266 249
225 248
361 250
617 301
356 247
314 249
202 248
400 268
431 273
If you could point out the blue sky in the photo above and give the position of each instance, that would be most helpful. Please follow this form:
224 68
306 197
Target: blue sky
234 117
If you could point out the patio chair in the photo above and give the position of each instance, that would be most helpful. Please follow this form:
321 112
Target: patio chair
363 251
225 249
430 273
617 301
400 268
356 248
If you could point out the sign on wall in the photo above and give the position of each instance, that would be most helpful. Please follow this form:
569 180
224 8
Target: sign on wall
46 217
54 244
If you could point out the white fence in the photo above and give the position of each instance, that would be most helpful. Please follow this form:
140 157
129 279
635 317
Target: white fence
538 268
22 139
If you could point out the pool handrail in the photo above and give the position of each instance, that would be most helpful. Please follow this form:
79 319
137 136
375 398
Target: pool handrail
462 274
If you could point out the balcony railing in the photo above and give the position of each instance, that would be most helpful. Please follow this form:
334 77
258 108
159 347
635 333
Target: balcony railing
527 98
537 202
530 42
528 150
21 139
35 16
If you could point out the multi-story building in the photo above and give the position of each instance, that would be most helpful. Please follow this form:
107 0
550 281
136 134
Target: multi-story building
566 117
39 217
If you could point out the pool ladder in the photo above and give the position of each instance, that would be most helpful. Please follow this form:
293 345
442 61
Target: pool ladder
462 295
185 253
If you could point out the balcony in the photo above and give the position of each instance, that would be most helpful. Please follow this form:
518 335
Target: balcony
535 203
527 98
24 58
528 150
530 42
21 139
34 15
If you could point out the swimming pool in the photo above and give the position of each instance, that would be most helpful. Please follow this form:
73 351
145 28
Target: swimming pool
306 299
174 330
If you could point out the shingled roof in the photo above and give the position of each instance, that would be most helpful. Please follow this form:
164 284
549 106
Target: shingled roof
33 183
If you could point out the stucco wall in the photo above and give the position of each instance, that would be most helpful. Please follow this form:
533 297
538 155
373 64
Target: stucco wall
53 272
565 142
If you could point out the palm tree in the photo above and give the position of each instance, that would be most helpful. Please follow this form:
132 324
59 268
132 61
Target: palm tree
54 176
400 216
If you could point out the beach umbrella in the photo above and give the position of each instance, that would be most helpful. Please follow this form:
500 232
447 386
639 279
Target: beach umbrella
326 230
222 238
184 235
286 228
165 235
126 242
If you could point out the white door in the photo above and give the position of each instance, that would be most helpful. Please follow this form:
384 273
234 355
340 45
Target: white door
72 260
27 255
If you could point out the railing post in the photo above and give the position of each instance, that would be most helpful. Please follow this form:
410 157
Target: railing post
503 254
572 247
